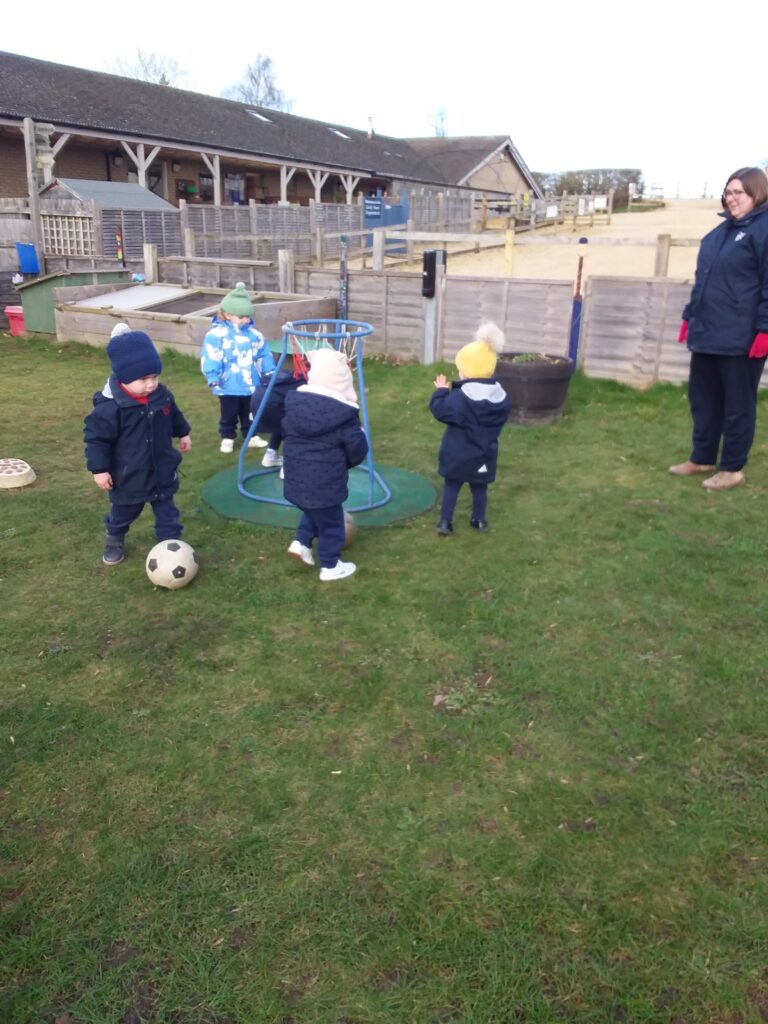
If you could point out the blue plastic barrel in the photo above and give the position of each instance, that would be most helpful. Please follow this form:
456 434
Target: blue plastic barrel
28 262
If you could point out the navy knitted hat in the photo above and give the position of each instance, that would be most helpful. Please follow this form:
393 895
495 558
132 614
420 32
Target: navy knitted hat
133 355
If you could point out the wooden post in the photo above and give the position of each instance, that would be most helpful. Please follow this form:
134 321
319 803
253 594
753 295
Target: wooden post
150 264
189 242
319 253
379 239
432 316
509 250
254 243
34 199
409 241
286 272
661 266
97 228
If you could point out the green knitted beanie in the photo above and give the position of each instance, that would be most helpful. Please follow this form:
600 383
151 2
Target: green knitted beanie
237 302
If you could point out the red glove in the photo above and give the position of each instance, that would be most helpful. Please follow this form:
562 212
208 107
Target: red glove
759 346
683 335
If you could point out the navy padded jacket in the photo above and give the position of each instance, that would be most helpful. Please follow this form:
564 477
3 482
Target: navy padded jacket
729 301
475 411
323 441
134 443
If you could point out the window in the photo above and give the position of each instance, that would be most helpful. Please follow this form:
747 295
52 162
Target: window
206 188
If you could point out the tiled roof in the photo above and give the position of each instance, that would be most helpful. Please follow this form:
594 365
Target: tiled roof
459 156
74 98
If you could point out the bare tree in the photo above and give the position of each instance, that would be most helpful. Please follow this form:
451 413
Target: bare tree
258 86
150 67
439 117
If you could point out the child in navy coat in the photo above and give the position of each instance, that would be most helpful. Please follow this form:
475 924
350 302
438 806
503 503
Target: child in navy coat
129 441
323 441
474 409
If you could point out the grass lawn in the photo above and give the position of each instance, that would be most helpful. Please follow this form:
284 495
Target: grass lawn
508 778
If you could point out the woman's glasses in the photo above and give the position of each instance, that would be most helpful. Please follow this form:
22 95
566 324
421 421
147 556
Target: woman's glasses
732 193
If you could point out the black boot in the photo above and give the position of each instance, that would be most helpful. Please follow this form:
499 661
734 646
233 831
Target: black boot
114 549
479 524
445 527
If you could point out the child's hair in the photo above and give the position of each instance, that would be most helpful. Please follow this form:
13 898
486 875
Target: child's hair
478 358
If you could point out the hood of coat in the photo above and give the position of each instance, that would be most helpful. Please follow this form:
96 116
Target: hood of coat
113 392
486 396
313 414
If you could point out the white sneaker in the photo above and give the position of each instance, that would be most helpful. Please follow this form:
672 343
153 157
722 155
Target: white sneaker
257 442
301 552
271 458
338 572
227 445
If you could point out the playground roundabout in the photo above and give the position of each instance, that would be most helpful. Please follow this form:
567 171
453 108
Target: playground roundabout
378 495
411 495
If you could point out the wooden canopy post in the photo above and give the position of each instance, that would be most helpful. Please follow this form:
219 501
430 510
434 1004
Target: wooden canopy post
214 166
34 199
285 177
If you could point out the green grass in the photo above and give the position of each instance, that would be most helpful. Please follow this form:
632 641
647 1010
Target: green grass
498 778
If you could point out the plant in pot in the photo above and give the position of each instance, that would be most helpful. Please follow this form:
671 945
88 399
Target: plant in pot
537 385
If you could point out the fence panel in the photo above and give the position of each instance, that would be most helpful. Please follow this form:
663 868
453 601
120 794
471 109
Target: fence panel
534 315
629 330
140 228
208 273
15 226
285 227
338 218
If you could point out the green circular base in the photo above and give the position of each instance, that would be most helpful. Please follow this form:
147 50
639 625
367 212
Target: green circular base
411 495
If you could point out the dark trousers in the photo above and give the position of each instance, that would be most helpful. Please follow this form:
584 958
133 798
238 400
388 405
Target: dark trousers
327 524
232 409
722 391
451 490
167 520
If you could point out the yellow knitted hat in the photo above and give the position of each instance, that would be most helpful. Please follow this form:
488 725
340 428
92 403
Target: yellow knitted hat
478 358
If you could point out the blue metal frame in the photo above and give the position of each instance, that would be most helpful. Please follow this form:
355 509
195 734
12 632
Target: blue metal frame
341 330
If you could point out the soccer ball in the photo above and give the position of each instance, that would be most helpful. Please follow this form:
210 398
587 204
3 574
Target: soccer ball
350 529
172 564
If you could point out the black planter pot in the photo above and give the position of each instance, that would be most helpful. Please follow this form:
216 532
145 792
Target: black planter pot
537 389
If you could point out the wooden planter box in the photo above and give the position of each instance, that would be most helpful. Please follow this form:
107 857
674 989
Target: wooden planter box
537 388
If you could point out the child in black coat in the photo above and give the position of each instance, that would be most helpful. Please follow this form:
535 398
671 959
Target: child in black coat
474 409
129 441
323 441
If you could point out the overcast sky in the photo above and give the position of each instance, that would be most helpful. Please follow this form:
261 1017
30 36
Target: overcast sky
673 87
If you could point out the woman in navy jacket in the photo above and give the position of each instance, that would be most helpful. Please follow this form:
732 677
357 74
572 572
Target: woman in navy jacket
726 326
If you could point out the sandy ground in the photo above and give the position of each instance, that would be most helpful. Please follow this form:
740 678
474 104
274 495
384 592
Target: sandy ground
680 218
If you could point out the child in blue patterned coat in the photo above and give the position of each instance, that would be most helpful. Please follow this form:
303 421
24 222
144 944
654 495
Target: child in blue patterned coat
234 359
474 409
